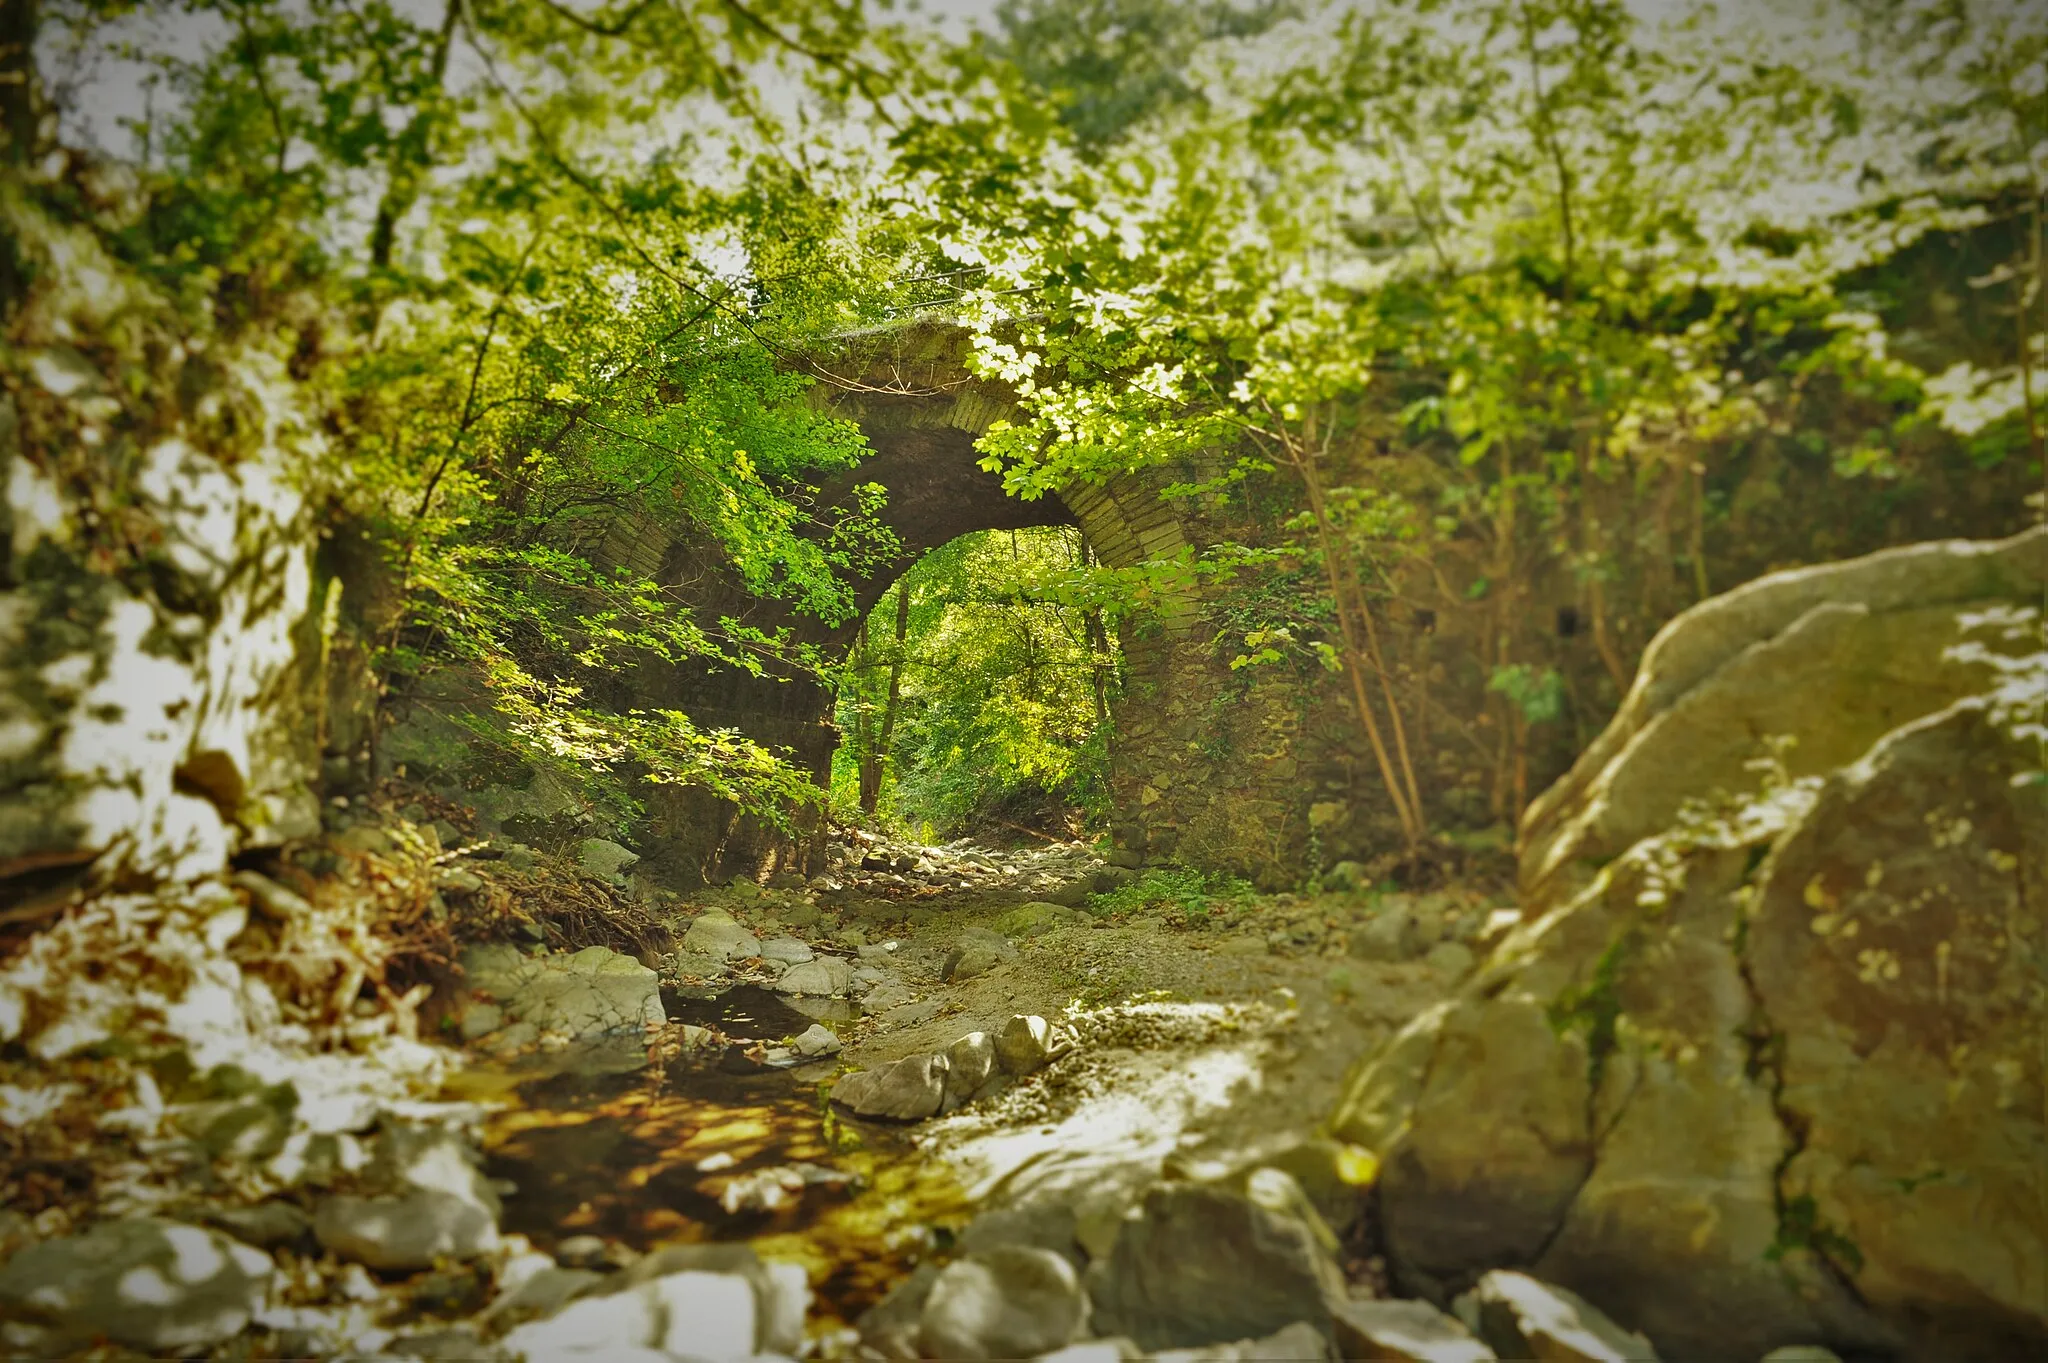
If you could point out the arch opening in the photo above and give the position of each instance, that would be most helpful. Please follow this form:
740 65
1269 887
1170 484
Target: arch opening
977 697
921 414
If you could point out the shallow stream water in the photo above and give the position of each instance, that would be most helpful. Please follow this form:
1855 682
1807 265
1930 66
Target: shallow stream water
597 1140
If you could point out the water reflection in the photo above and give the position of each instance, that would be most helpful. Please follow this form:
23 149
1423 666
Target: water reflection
744 1011
599 1141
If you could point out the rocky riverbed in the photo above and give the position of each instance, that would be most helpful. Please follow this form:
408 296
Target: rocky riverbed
877 1111
1745 1066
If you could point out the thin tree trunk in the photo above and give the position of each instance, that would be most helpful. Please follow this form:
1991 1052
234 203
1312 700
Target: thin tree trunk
406 167
1699 530
1355 657
1520 724
1603 639
1502 601
1594 539
864 724
1096 632
1546 137
1097 635
1400 728
893 700
20 88
2038 283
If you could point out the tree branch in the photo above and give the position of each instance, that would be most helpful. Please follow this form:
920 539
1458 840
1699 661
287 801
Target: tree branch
616 29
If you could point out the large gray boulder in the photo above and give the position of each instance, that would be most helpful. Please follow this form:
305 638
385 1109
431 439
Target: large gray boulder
1197 1264
586 993
1013 1301
906 1090
603 858
1765 1077
826 976
149 1284
137 729
717 934
1836 655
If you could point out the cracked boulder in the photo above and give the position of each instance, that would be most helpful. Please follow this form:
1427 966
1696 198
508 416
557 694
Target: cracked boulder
1771 1073
1898 950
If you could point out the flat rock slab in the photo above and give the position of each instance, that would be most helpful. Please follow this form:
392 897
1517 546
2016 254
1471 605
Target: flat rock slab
406 1232
1029 920
910 1014
1524 1318
150 1284
718 934
591 991
787 950
1404 1332
888 994
826 976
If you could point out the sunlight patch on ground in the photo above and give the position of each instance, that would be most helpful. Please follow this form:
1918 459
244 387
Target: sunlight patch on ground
1139 1120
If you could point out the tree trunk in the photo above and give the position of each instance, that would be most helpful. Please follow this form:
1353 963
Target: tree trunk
20 89
1593 543
892 701
864 724
1501 601
1097 635
405 169
1356 659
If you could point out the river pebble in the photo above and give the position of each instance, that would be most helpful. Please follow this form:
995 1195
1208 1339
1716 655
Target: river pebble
1024 1044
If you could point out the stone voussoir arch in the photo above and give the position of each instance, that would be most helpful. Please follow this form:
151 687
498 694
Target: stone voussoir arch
921 409
912 387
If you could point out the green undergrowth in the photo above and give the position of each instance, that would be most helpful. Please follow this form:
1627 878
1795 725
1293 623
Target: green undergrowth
1196 899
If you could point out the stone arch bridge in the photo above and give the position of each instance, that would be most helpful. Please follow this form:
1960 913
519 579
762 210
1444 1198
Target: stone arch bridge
1199 767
